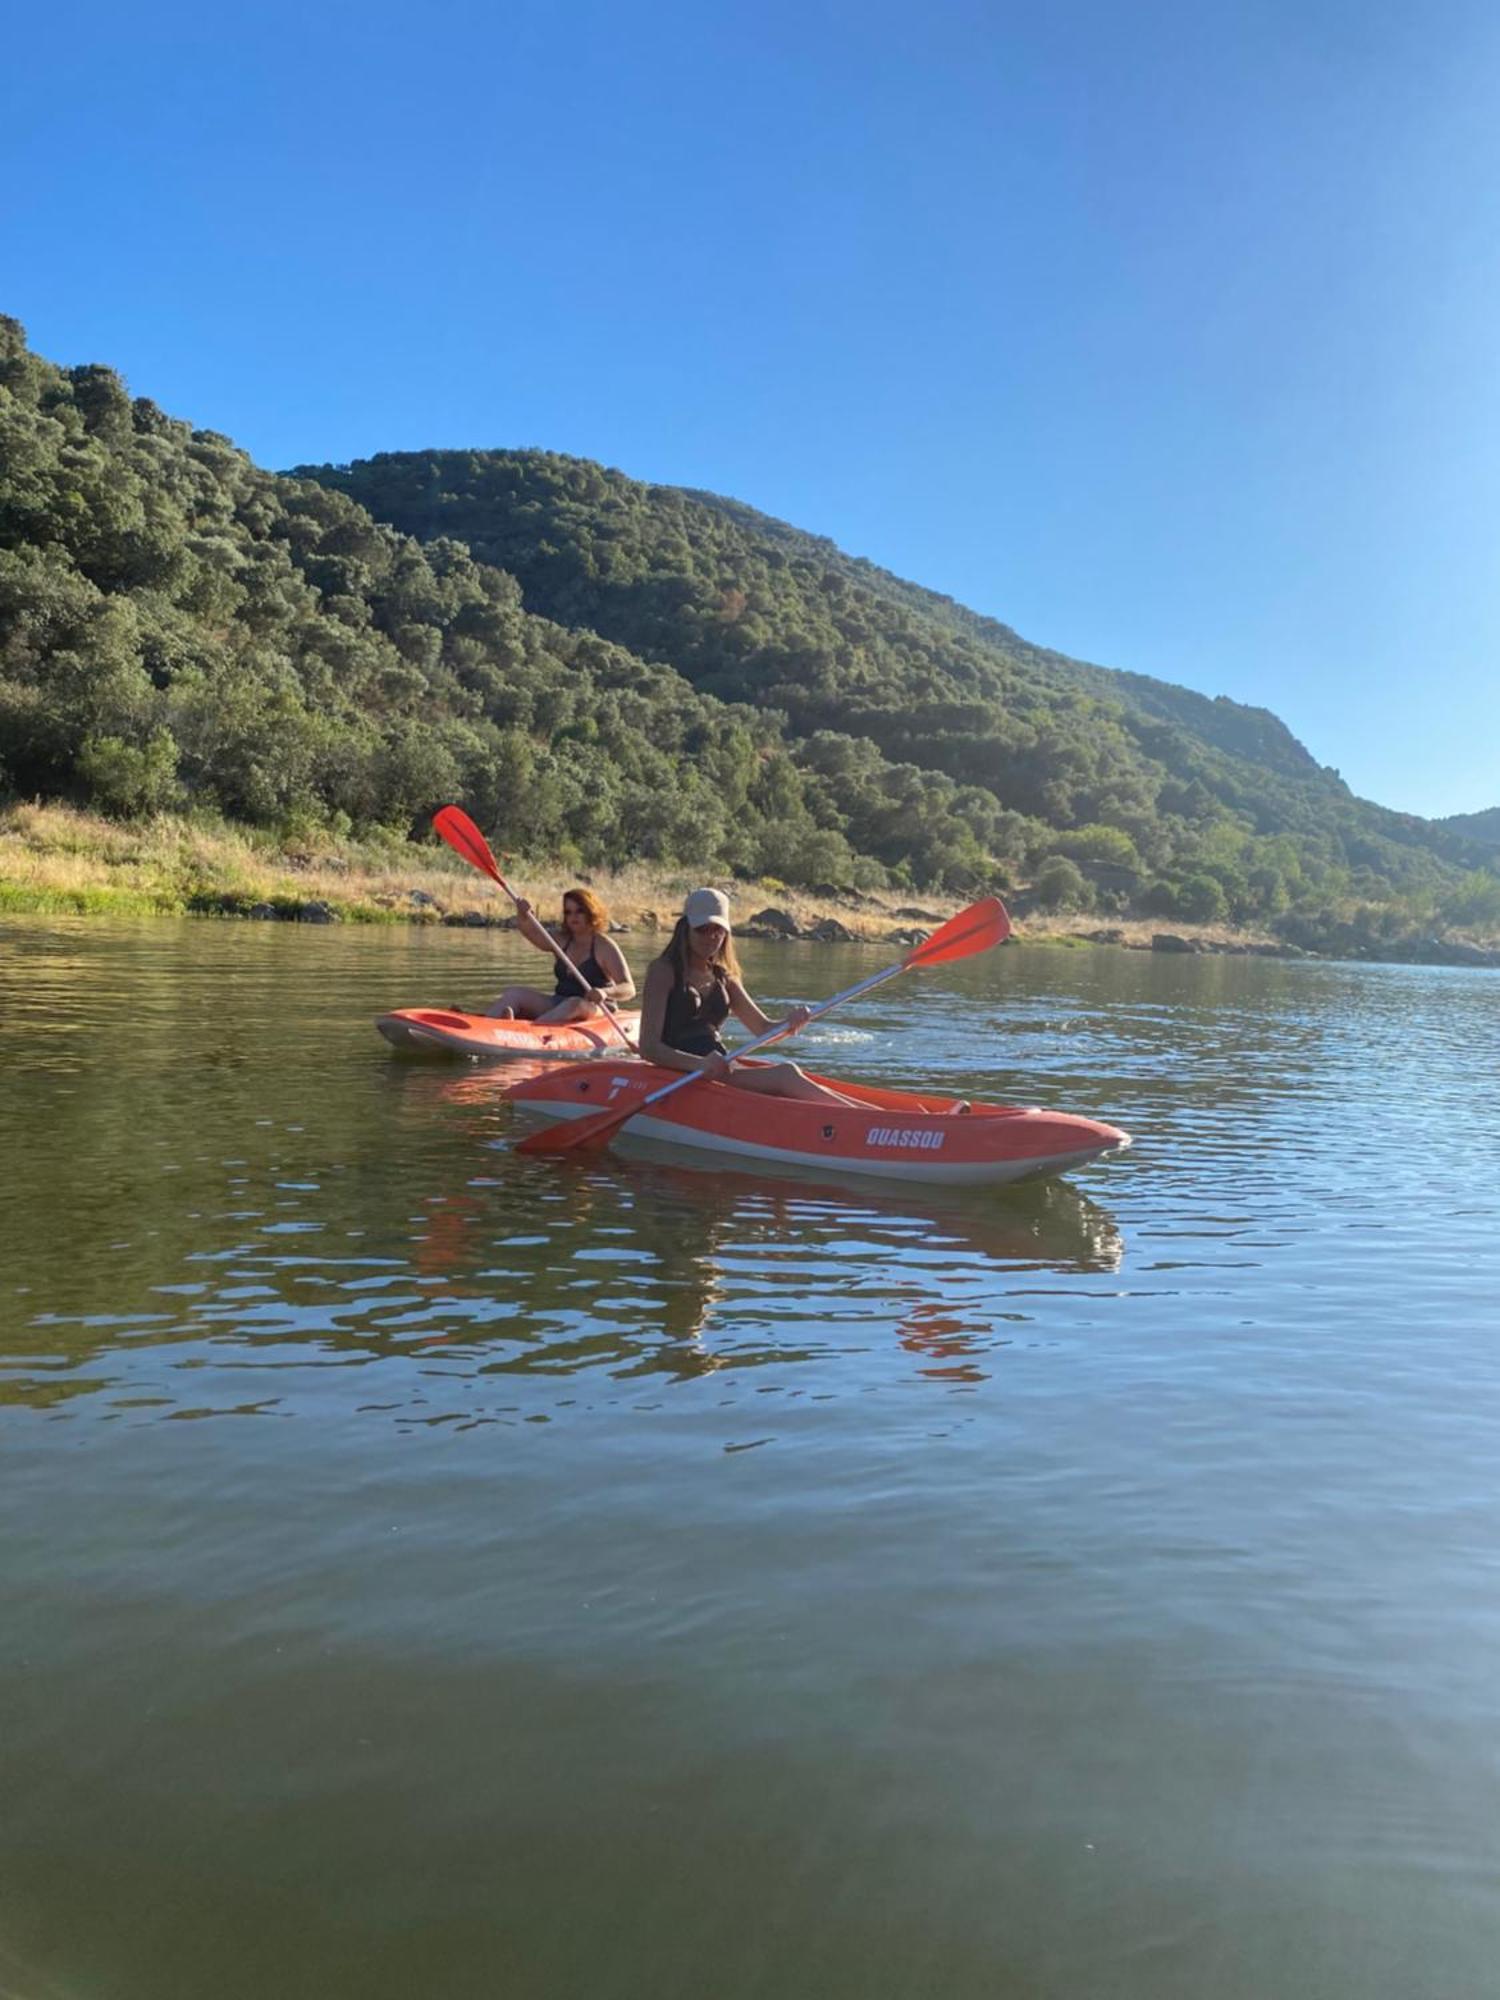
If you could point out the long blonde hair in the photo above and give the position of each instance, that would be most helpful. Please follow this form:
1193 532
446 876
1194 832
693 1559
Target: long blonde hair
677 954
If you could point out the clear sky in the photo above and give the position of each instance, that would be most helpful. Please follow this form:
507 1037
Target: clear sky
1168 333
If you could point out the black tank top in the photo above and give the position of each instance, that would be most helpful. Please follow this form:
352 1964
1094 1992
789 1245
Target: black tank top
693 1019
568 987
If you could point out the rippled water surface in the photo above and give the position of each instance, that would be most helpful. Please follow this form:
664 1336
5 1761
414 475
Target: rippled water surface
431 1571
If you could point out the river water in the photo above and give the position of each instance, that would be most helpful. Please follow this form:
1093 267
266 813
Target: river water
431 1571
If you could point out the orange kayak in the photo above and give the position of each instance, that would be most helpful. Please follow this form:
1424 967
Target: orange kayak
891 1134
443 1031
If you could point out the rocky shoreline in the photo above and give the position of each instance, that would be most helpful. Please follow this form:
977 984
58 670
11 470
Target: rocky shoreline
1421 951
777 926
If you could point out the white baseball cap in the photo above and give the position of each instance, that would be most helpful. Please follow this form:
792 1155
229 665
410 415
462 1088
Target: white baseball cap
707 906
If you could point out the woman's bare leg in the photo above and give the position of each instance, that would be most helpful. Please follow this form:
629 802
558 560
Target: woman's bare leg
784 1079
519 1003
571 1010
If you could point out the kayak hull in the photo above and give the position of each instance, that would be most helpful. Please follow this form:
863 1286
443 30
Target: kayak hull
883 1134
445 1031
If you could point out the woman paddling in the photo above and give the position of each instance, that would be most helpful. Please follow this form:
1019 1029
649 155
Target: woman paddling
585 940
693 988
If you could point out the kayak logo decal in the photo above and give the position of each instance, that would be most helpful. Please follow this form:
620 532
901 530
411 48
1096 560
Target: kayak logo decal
919 1138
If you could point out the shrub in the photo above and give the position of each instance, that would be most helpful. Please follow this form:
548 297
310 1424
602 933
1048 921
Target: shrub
126 781
1059 885
1201 900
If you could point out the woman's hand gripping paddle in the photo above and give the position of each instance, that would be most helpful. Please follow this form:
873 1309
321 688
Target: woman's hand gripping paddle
978 928
464 837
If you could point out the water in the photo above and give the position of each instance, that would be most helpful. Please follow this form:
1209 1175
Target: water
431 1571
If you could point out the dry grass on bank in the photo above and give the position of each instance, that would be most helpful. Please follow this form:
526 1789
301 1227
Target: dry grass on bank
56 860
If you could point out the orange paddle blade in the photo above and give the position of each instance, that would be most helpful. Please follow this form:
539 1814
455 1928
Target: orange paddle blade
577 1135
464 837
979 928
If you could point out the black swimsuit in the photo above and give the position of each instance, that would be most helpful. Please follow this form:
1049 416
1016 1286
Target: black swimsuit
693 1019
568 987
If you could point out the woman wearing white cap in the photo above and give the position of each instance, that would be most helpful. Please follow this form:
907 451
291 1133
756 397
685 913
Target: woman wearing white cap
693 988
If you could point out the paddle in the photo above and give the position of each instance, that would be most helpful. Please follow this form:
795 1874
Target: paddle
464 837
973 930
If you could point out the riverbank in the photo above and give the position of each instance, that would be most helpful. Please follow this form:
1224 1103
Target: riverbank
55 860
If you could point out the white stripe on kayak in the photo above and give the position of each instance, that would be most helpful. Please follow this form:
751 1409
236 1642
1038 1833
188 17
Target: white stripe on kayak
908 1167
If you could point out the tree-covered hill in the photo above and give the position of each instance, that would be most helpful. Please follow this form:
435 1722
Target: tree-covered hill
178 627
606 672
1481 826
1207 806
1229 725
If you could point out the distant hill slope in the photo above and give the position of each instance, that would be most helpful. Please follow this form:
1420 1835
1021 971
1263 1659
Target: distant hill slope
1229 725
1481 826
758 612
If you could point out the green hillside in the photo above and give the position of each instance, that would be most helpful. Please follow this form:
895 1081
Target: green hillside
1483 827
1198 807
606 672
179 628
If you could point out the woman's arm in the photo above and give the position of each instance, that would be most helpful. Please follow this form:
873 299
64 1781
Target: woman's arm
654 1019
750 1016
611 962
745 1011
531 927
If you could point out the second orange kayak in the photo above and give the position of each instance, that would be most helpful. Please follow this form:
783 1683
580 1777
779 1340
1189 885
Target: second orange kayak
444 1031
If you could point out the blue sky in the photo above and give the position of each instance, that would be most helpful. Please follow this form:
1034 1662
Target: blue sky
1166 333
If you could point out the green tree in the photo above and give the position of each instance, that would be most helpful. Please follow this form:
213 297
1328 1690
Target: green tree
1059 885
1201 900
127 780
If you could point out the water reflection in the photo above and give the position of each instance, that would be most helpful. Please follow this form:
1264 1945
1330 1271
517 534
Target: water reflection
1009 1607
486 1290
